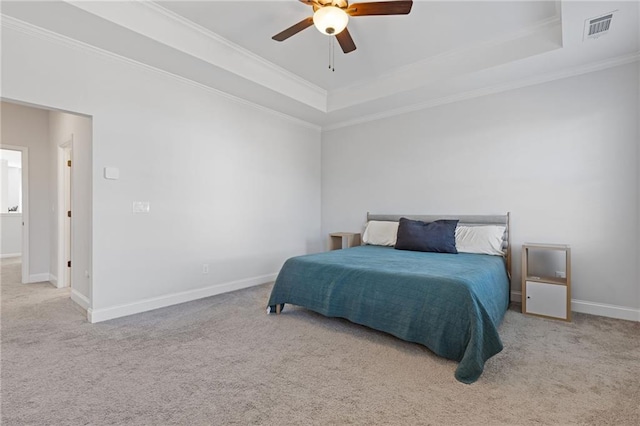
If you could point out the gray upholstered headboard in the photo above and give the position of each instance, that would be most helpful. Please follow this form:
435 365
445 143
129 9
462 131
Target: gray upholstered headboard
468 220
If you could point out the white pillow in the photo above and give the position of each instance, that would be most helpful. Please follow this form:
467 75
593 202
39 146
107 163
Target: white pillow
480 239
380 233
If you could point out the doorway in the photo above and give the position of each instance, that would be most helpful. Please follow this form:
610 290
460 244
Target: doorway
14 205
51 238
65 228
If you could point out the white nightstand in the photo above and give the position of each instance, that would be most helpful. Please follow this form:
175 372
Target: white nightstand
342 240
546 294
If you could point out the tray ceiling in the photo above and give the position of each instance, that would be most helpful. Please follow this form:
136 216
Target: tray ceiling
384 43
442 52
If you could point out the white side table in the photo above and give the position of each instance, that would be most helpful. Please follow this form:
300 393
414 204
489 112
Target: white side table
546 296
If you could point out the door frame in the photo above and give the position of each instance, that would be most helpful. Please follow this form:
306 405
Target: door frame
25 208
64 271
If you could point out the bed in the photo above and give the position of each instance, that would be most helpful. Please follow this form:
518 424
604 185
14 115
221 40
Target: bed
450 303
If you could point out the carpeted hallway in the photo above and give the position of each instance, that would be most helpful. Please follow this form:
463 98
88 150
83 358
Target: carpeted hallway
223 361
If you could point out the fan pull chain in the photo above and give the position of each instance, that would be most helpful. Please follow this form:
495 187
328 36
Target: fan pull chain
332 56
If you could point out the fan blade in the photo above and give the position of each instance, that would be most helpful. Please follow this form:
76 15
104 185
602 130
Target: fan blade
308 2
295 29
402 7
346 42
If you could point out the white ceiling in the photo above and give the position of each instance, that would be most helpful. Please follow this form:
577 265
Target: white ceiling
384 42
442 52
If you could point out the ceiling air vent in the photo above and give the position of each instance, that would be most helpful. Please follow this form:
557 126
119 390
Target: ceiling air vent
595 27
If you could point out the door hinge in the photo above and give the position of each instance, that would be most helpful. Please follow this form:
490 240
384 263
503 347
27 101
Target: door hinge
69 264
69 213
69 163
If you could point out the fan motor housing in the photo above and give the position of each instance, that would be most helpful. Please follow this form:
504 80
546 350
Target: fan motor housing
342 4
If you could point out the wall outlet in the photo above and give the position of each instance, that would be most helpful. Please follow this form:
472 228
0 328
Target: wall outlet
561 274
205 268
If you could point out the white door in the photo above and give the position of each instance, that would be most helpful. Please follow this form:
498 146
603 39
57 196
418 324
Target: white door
547 299
67 221
65 229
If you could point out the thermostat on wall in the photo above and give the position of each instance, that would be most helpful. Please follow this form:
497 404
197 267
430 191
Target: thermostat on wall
111 173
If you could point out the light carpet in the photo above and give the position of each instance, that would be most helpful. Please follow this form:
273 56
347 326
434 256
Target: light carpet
223 361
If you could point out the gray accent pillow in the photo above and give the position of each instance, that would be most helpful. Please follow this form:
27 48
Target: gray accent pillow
438 236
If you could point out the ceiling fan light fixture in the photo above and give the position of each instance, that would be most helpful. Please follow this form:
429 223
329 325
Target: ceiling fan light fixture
330 20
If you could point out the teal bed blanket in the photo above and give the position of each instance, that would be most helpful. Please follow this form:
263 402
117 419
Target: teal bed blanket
450 303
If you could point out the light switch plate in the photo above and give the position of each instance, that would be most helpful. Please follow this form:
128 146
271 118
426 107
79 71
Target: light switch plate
111 173
141 207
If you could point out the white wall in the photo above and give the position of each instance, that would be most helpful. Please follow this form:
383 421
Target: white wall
561 157
62 128
10 234
638 172
11 184
10 223
29 127
229 184
4 185
14 179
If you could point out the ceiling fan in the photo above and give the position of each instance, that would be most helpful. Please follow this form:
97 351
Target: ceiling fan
331 17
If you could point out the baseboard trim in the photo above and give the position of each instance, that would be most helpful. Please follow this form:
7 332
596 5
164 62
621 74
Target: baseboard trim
605 310
80 299
592 308
105 314
53 280
39 278
9 255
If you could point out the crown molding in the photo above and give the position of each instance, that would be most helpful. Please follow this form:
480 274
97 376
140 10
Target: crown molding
11 23
157 23
33 30
240 50
552 21
535 39
544 78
